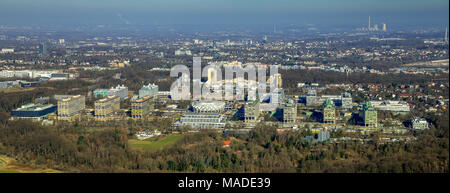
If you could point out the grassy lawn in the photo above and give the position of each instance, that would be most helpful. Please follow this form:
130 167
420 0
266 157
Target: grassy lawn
8 171
8 165
151 144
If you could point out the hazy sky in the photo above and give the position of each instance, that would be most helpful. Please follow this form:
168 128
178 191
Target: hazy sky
408 12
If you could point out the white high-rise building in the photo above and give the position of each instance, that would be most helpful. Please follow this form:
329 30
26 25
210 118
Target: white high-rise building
120 91
418 123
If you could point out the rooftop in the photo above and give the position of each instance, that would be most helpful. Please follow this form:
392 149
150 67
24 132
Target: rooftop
143 99
107 99
34 107
71 98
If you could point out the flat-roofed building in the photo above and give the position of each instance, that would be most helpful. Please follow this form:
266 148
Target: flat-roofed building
6 50
322 136
6 84
391 106
329 111
290 111
148 90
208 106
59 76
33 111
251 111
71 107
271 100
418 123
346 101
105 107
277 78
202 120
6 74
42 100
142 107
58 97
100 93
369 115
204 114
120 91
311 97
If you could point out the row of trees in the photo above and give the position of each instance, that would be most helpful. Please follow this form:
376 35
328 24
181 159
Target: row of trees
292 77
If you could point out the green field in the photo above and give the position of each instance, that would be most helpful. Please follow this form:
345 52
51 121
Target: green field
8 171
152 144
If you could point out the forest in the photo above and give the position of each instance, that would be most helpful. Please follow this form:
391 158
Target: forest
291 78
74 149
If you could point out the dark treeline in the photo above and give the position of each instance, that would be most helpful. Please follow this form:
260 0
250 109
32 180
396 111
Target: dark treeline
10 101
72 148
292 77
133 77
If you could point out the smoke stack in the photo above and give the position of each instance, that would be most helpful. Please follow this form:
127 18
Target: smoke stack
445 37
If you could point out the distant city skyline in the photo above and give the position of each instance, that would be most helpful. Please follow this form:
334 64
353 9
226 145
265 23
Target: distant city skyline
207 12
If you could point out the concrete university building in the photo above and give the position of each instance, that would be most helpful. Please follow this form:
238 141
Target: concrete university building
418 123
204 114
148 90
120 91
251 111
321 136
344 100
391 106
100 93
71 107
104 108
290 111
369 115
142 107
311 97
34 111
328 111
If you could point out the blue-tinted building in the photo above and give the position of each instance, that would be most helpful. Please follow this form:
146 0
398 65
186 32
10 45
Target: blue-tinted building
42 49
34 111
100 93
25 84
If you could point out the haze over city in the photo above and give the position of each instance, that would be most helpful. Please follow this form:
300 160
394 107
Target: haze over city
399 13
